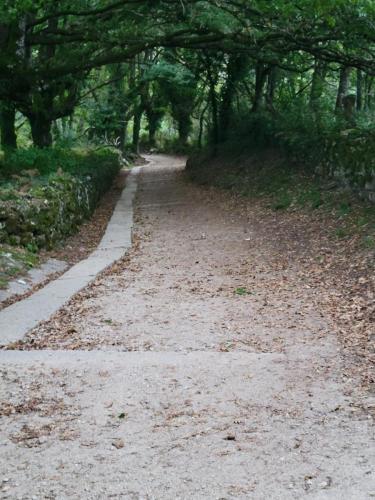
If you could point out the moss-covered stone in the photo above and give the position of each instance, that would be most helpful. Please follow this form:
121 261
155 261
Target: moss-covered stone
55 205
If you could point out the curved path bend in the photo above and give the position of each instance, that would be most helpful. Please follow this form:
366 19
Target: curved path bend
200 366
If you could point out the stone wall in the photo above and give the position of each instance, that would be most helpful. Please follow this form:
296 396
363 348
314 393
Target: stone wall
350 158
52 209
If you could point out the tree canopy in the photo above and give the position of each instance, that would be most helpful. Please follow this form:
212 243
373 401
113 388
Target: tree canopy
184 58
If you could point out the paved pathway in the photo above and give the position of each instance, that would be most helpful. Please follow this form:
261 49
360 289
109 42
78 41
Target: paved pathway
19 318
185 372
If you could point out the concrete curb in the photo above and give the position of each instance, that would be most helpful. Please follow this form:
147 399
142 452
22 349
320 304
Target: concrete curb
17 319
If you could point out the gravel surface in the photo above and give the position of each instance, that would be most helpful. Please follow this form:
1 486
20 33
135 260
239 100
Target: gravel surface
202 365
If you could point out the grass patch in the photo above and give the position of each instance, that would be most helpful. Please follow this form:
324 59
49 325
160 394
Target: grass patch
14 262
369 242
282 201
242 291
341 233
35 162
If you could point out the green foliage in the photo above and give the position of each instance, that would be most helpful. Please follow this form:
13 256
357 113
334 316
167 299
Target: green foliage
38 208
179 86
173 145
324 146
177 75
43 162
282 201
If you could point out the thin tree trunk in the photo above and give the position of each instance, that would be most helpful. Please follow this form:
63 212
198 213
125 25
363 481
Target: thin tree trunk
368 81
271 87
317 84
359 102
343 87
235 68
151 135
214 111
152 128
7 127
201 123
137 128
260 80
183 131
125 134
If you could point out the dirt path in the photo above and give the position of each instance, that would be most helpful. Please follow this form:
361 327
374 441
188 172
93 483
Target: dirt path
242 396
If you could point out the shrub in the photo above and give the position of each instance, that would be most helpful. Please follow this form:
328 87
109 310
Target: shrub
322 143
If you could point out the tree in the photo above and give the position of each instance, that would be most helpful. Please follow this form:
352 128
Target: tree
7 126
49 49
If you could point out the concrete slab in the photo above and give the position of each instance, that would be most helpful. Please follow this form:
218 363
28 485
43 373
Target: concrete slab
17 319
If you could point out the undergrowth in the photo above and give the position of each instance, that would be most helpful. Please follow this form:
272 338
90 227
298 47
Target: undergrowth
285 185
37 164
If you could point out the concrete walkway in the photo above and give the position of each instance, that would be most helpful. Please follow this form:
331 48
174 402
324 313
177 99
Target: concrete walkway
35 276
17 319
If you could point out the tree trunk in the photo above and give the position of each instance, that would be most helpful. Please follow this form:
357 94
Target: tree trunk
120 137
152 129
359 103
151 136
368 87
348 103
343 87
117 100
235 68
183 131
201 123
271 87
215 121
123 137
137 129
260 79
41 130
317 84
7 127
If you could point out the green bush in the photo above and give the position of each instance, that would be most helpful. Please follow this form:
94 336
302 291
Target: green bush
47 161
323 143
